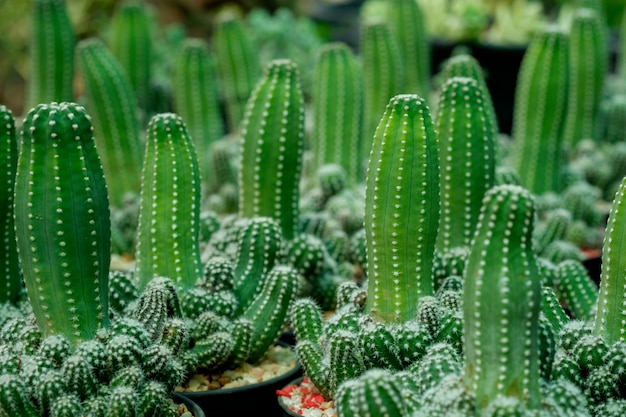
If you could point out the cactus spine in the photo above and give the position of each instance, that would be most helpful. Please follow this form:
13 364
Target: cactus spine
12 278
169 217
52 53
338 110
467 159
62 221
111 100
539 111
196 100
502 301
401 210
588 63
272 147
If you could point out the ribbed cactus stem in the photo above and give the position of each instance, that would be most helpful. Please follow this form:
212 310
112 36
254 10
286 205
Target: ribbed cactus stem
401 210
383 75
272 147
113 104
539 111
169 217
131 44
238 66
337 105
11 283
610 322
588 64
467 154
376 392
502 301
52 53
196 100
62 221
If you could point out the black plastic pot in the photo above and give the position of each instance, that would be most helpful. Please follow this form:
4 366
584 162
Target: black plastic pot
190 404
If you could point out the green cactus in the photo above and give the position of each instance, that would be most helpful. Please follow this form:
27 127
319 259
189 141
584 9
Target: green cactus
539 111
467 159
196 100
613 118
52 54
502 301
169 218
62 221
238 66
376 392
112 102
403 173
272 147
337 105
12 275
576 290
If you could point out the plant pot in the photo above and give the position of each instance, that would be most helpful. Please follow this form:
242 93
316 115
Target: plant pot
194 408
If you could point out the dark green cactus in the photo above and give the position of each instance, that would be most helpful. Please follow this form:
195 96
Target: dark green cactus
402 173
502 301
539 111
337 100
576 290
272 147
112 102
52 53
376 392
169 218
62 221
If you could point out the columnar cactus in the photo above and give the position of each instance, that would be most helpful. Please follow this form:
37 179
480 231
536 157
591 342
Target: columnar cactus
588 66
131 44
112 102
502 301
238 66
376 392
196 100
383 75
272 147
539 111
12 278
337 100
62 221
401 210
52 53
169 217
467 157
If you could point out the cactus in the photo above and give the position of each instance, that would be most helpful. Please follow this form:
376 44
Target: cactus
131 44
467 159
502 267
337 105
238 66
52 54
12 276
62 221
196 100
383 75
539 111
112 102
576 290
376 392
588 63
272 147
402 174
169 218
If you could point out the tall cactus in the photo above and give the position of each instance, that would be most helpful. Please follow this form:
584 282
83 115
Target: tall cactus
62 221
337 104
502 301
169 217
383 75
12 279
401 210
467 159
112 102
52 53
196 100
238 66
272 147
539 111
131 44
588 64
